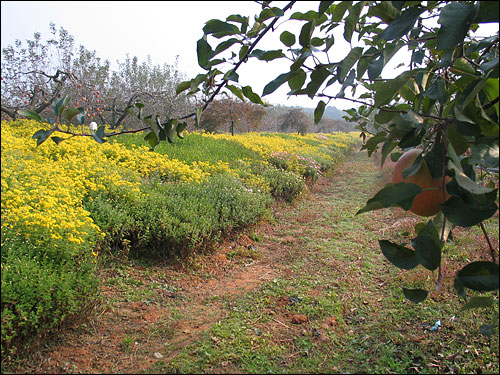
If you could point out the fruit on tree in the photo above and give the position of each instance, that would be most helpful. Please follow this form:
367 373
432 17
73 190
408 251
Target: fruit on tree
427 202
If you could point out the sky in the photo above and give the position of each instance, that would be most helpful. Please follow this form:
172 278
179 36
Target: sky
163 30
160 29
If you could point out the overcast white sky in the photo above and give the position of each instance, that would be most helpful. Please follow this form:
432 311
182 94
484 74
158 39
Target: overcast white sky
161 30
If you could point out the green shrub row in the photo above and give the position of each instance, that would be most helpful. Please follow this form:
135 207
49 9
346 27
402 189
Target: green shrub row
176 219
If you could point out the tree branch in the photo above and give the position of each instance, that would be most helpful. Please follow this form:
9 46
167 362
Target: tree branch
492 251
242 60
383 108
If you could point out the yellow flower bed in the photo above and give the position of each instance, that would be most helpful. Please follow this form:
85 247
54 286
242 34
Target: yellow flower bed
43 187
268 143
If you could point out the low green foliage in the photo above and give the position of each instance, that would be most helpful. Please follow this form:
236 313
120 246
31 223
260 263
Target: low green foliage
284 184
40 292
172 220
195 147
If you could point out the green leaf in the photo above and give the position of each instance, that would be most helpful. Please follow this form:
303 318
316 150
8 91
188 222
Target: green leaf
306 34
232 76
463 67
180 129
434 160
152 139
349 61
383 10
339 10
318 76
465 182
69 113
488 329
480 276
297 79
318 112
437 91
364 62
265 14
219 28
414 168
458 141
372 143
387 147
415 295
384 117
329 42
197 118
30 114
243 51
455 19
385 91
271 55
182 87
323 6
57 140
300 60
460 288
130 110
287 38
253 97
276 83
485 153
476 302
427 247
349 81
42 135
236 91
225 45
400 256
466 209
58 106
488 12
375 67
204 52
80 118
393 195
162 134
152 124
402 24
438 223
351 21
170 129
309 16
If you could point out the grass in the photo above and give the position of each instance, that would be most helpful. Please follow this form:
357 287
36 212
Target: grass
195 147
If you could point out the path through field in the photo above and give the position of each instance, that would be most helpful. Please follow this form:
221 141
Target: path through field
308 291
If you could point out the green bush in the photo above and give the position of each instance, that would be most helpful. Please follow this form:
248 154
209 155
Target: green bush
284 185
39 292
177 219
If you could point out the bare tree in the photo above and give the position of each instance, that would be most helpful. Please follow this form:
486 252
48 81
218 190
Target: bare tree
294 120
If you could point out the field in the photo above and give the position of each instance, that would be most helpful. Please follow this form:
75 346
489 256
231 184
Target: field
218 254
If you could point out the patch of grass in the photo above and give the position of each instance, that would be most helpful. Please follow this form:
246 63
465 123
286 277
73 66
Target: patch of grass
250 251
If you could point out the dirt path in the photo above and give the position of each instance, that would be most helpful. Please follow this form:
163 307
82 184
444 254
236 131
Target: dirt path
151 312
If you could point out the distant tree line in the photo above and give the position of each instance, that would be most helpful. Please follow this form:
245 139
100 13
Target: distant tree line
37 73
